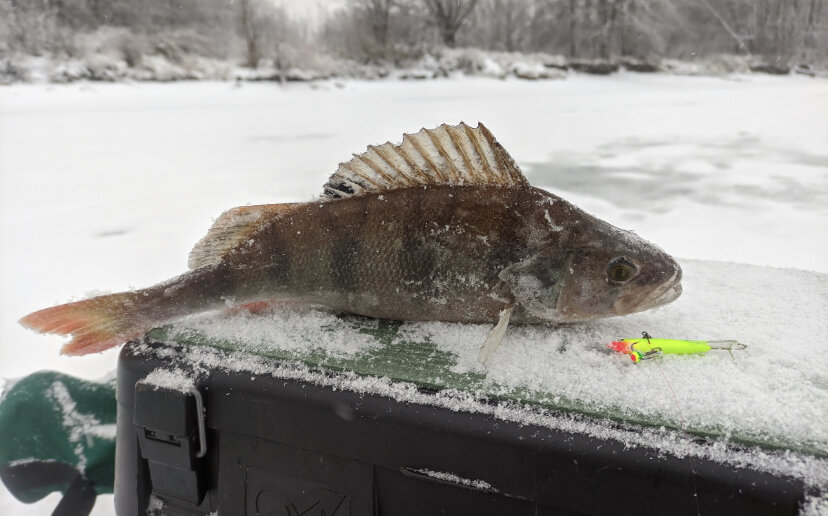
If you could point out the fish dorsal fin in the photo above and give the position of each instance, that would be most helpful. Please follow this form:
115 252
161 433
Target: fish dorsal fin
232 228
447 155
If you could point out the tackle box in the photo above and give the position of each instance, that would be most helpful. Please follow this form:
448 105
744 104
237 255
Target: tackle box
241 433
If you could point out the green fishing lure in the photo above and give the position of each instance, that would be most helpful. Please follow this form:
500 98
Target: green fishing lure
647 347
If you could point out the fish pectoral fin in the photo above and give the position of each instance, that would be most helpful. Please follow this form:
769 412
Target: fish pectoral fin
445 155
232 228
495 337
536 283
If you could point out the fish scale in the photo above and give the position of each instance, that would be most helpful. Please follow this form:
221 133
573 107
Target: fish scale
347 259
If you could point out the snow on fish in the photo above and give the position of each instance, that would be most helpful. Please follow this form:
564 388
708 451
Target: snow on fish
443 226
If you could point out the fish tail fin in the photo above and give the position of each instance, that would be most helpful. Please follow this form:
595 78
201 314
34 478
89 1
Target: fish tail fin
95 324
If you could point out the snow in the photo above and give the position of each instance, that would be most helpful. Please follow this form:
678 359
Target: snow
290 328
175 379
28 460
115 54
480 485
107 187
812 471
155 507
78 424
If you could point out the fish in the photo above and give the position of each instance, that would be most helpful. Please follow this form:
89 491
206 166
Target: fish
443 226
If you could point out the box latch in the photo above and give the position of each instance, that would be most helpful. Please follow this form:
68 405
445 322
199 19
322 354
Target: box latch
172 438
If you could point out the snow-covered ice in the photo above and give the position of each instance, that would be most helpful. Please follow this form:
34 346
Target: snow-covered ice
107 186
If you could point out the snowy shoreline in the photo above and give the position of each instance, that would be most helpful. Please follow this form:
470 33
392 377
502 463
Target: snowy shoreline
445 64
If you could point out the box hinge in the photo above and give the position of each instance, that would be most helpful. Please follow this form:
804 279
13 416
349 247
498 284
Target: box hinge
172 437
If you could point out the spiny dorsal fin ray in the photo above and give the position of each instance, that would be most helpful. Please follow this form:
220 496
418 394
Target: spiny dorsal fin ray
232 228
446 155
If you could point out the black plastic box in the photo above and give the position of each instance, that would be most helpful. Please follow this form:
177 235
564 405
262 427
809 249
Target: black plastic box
244 444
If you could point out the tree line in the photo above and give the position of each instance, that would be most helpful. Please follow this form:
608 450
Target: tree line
777 31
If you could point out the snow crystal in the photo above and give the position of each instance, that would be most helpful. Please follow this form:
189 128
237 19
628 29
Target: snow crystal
156 506
552 225
284 327
174 379
814 505
82 427
481 485
29 460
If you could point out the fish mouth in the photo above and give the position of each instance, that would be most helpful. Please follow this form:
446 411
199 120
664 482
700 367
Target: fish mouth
666 296
667 292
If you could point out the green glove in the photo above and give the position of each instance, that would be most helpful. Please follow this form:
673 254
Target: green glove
57 431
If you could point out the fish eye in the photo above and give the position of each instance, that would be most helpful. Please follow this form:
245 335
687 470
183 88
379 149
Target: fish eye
621 270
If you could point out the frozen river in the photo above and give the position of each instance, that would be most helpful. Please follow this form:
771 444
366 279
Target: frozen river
104 187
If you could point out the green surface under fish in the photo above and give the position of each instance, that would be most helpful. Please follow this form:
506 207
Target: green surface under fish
402 359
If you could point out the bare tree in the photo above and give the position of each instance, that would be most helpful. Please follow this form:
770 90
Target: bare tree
578 21
378 30
727 26
251 31
33 28
377 14
813 30
776 32
607 15
264 27
449 16
501 25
